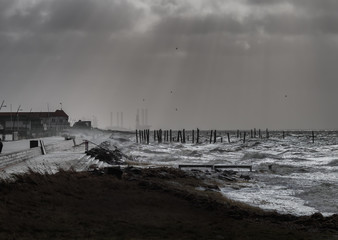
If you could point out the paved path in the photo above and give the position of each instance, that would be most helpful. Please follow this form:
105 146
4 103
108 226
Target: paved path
15 146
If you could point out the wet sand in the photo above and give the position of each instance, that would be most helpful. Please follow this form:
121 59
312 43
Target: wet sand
158 203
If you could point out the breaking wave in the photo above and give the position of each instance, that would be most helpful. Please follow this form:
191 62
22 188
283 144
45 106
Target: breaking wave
333 163
258 155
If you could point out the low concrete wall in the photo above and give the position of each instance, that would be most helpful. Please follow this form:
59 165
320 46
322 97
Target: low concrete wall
20 156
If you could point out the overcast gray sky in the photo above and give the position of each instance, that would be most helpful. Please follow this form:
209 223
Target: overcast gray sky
223 64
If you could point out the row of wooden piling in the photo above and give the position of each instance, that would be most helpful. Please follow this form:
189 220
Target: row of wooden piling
143 136
161 136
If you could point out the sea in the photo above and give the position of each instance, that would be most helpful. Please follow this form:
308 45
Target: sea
293 172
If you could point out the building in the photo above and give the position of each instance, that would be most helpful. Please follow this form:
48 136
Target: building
33 124
83 124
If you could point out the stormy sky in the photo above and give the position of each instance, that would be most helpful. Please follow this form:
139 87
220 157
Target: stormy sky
222 64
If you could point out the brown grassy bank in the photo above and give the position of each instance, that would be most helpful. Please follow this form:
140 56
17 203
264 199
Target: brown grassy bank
139 204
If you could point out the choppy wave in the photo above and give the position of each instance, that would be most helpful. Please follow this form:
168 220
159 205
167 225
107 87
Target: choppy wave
291 175
333 163
259 155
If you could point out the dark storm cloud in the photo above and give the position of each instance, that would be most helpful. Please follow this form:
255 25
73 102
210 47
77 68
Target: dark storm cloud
55 16
250 17
92 16
19 19
120 49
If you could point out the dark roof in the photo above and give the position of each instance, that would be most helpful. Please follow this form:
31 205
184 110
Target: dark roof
57 113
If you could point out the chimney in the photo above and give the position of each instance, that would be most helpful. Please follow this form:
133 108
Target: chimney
138 119
146 117
142 112
121 119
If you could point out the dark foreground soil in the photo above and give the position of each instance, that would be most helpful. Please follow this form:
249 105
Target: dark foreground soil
157 203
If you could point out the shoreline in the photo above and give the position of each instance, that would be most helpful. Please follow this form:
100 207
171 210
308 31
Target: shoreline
141 203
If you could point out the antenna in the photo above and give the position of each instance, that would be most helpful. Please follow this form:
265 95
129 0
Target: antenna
17 112
2 104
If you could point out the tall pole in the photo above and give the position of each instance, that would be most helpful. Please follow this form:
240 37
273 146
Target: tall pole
48 119
111 120
12 119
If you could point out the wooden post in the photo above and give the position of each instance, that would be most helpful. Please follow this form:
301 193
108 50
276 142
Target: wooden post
211 136
215 136
267 133
136 136
154 135
251 133
259 133
171 136
228 137
193 136
148 136
313 137
221 139
179 136
238 136
198 135
283 134
254 132
244 137
183 139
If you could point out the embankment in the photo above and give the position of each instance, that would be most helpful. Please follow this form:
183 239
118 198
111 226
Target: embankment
158 203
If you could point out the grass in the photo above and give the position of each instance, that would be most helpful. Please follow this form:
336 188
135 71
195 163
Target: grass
159 203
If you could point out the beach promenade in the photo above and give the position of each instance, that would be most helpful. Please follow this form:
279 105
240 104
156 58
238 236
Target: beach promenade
21 145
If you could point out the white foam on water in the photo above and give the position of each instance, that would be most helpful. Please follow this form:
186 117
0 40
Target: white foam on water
274 198
284 169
